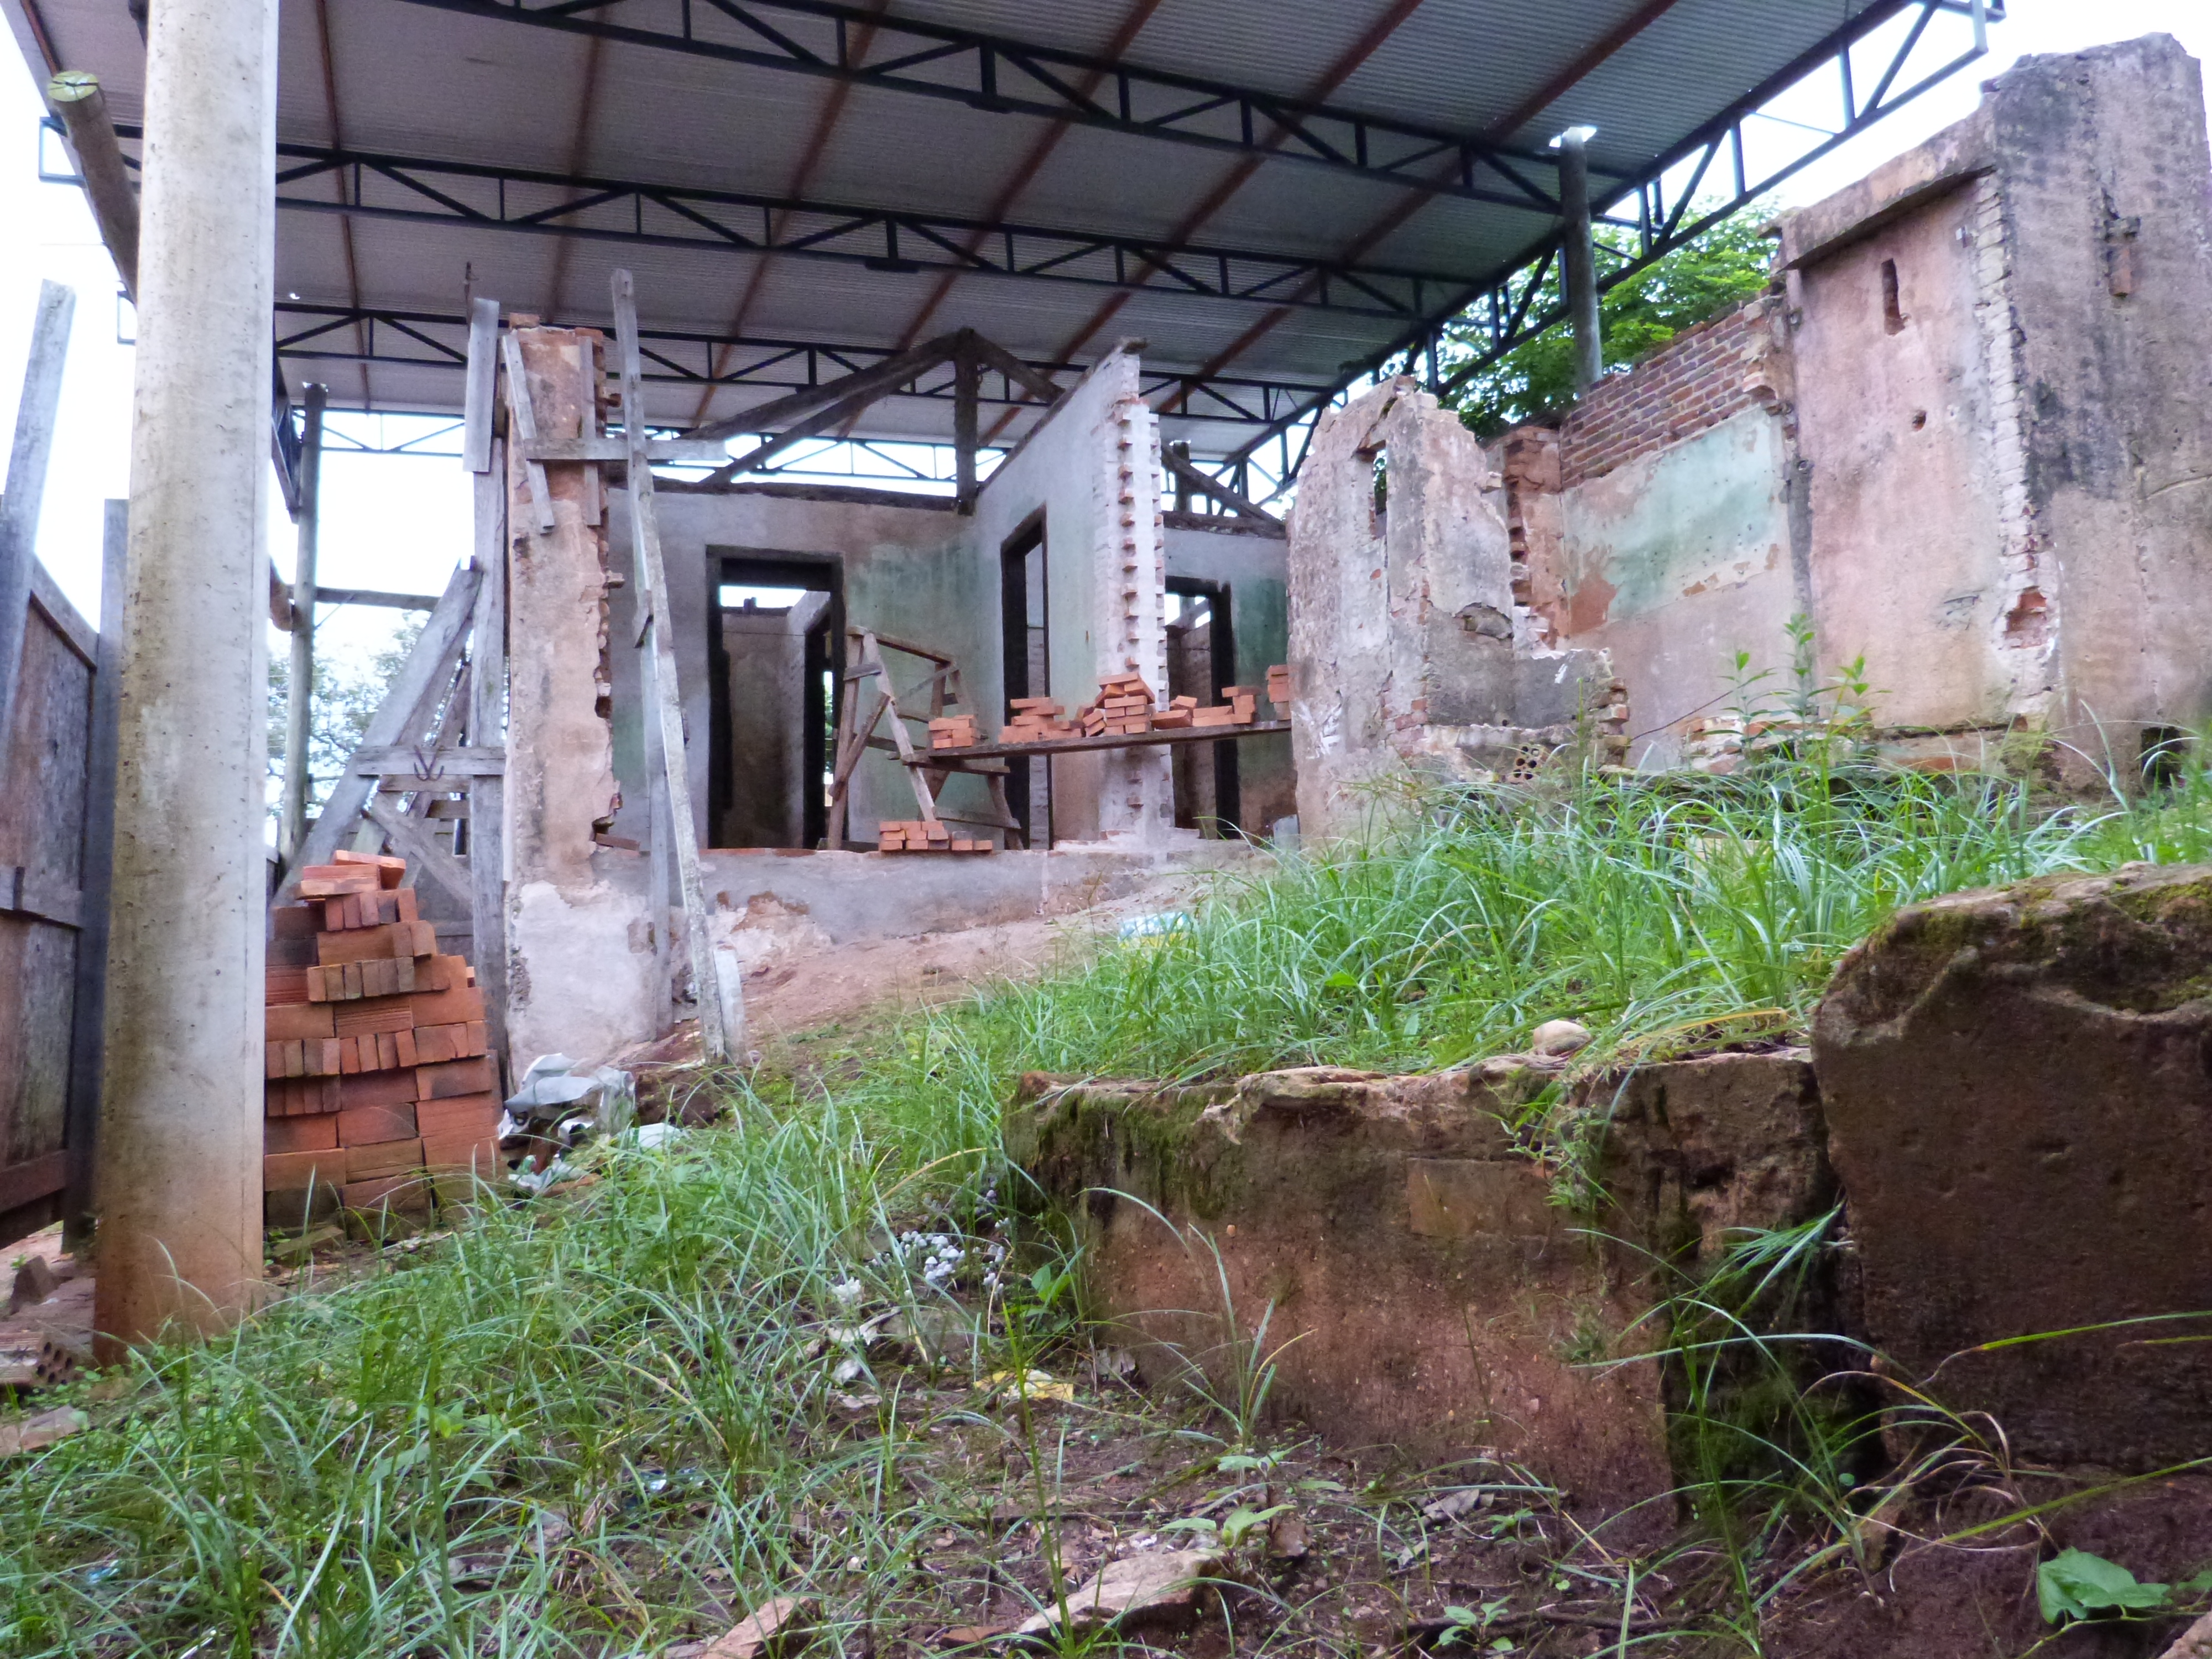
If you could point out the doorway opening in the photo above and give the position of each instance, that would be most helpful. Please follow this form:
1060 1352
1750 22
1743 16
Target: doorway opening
778 657
1028 663
1202 664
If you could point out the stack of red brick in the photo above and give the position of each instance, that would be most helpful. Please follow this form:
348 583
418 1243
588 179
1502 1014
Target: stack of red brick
381 1095
1124 708
953 731
1036 719
926 836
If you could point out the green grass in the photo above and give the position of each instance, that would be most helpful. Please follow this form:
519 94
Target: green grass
1640 909
617 1415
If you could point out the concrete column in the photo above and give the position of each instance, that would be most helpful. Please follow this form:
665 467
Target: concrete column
179 1234
1578 259
300 703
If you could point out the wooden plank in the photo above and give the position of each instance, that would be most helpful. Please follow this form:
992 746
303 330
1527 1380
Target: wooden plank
21 1183
487 735
690 452
73 630
716 1042
482 387
814 425
426 670
866 383
1206 484
376 597
939 758
426 859
21 894
76 98
523 417
428 765
991 355
27 458
89 1003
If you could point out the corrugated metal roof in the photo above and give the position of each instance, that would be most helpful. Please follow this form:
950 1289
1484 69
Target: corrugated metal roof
420 80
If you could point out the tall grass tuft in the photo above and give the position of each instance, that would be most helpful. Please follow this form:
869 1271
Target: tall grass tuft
1639 907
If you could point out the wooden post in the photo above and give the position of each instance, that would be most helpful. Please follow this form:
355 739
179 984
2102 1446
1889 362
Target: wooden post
180 1136
77 99
487 729
27 460
663 708
300 679
964 378
80 1126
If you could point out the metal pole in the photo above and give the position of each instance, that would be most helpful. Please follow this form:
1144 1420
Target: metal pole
299 683
180 1159
1580 258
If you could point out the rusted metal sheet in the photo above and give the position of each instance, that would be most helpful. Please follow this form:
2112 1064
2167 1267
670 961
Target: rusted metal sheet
43 783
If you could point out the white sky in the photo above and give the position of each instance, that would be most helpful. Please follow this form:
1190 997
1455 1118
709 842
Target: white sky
402 523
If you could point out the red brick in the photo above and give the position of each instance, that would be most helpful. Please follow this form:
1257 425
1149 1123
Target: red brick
287 1172
319 1133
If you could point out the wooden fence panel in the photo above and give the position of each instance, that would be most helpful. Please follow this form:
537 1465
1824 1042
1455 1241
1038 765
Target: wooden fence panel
43 800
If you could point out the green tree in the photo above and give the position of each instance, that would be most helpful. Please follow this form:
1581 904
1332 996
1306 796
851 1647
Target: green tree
1534 381
348 693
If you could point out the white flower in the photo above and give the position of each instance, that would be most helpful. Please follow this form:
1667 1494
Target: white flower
847 1292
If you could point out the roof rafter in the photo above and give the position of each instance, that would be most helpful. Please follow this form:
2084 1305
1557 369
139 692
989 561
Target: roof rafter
309 333
376 186
1009 76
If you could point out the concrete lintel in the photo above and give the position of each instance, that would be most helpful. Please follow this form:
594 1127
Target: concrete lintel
1962 151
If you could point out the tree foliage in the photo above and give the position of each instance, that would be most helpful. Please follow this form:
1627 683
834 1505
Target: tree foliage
348 693
1706 275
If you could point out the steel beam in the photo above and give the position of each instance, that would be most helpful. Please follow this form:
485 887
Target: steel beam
311 335
1521 299
1004 76
415 191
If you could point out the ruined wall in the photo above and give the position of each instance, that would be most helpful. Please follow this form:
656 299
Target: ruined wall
1422 1289
908 569
580 948
1899 418
2025 411
1091 471
2107 216
1965 438
1406 646
1696 380
1252 561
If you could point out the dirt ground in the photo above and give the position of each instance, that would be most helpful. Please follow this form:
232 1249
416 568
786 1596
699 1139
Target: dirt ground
802 992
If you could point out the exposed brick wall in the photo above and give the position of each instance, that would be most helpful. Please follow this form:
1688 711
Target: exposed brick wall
1696 379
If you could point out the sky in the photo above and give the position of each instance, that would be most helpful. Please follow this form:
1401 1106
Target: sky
401 523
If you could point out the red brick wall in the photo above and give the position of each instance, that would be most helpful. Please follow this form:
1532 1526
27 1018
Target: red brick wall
1696 379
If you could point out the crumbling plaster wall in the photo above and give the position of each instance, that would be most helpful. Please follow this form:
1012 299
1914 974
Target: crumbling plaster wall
2053 256
1091 472
579 950
1250 561
1966 437
1406 648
